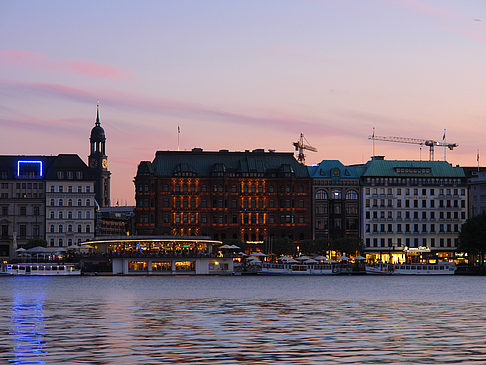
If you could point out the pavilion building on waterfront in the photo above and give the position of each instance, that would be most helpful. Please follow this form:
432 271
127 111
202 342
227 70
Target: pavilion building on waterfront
161 255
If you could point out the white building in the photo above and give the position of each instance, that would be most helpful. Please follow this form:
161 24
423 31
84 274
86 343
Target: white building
412 207
70 202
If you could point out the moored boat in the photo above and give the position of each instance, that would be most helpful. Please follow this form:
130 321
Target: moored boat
297 269
42 269
446 268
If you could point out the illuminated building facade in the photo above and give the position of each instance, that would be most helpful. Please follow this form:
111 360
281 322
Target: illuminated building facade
31 189
161 255
247 196
335 200
412 207
70 202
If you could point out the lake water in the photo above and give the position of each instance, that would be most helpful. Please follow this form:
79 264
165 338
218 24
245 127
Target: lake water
242 320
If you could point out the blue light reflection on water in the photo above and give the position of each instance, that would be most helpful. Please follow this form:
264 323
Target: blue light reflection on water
242 320
27 327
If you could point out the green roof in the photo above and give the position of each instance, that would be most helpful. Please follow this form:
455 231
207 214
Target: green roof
395 168
207 163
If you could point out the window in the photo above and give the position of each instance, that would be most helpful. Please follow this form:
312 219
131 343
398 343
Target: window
88 214
321 195
80 203
88 202
70 203
351 195
52 228
336 194
88 228
60 228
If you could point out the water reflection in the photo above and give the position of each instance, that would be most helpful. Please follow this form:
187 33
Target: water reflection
242 320
27 329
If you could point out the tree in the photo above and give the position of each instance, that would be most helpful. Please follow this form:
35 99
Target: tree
315 246
348 245
472 238
35 242
282 246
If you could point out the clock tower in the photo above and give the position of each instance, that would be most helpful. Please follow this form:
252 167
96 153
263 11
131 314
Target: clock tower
98 162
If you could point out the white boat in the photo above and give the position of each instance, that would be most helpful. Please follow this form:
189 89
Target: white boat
445 268
268 268
42 269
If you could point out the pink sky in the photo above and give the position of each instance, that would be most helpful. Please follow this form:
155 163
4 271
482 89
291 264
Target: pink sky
241 75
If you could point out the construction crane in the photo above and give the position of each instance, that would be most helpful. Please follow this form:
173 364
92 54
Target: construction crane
301 146
422 142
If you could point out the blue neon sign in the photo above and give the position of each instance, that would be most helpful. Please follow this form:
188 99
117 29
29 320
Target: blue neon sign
19 163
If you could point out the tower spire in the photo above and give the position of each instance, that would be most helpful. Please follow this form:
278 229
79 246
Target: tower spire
97 114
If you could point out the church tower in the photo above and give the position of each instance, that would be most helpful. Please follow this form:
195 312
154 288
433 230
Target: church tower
98 162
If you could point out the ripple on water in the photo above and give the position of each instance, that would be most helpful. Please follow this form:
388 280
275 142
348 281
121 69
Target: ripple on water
113 321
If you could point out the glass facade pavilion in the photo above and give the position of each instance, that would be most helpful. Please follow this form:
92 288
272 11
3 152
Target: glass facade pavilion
167 246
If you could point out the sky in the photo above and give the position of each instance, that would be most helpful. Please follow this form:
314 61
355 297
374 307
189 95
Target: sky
242 74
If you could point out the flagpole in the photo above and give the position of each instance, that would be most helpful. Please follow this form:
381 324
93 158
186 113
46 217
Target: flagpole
373 139
444 141
178 134
477 158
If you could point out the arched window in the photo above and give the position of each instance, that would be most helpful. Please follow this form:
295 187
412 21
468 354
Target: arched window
351 195
336 195
60 228
88 202
52 228
80 203
321 195
70 202
60 202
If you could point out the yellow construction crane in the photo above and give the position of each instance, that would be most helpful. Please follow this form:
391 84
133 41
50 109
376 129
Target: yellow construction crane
301 146
422 142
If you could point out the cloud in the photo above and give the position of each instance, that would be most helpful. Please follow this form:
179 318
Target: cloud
275 121
40 61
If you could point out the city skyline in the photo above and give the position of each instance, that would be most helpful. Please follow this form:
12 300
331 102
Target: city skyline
241 76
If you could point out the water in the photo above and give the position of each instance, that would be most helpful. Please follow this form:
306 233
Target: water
242 320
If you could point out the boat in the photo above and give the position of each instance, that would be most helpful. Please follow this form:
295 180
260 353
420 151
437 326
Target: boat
442 268
42 269
268 268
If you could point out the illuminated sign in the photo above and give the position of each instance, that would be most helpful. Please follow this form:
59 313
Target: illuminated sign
29 168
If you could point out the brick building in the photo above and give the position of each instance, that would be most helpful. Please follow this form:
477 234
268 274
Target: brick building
246 196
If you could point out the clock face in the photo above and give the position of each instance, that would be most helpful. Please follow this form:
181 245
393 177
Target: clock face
104 163
93 163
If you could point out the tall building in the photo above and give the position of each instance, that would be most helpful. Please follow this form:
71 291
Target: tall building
412 207
335 200
45 197
22 200
70 202
98 162
246 196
